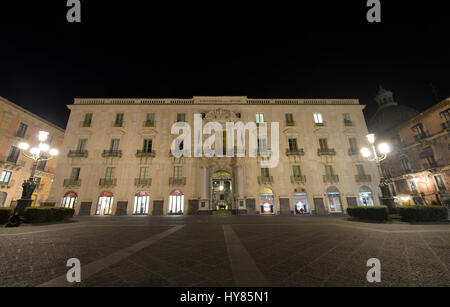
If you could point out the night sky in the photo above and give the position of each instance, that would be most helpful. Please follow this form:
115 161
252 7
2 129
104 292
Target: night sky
219 48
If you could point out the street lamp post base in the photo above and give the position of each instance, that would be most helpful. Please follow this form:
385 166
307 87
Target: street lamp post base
22 204
389 202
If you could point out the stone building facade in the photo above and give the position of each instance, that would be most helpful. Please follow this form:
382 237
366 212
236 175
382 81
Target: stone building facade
418 167
116 158
19 125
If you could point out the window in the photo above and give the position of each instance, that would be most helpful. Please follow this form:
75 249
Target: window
22 130
431 162
5 177
109 174
440 184
264 172
318 118
87 120
353 144
405 165
289 119
419 130
114 144
323 143
141 203
49 139
259 118
181 117
360 170
75 174
147 146
329 170
81 145
150 120
13 154
177 171
446 115
119 120
262 145
346 117
296 171
412 186
42 164
293 144
144 172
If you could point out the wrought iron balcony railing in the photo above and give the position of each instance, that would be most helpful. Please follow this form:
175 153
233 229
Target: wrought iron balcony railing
77 154
265 179
298 179
177 180
290 124
363 178
348 123
322 124
326 152
85 123
144 153
107 182
330 178
295 152
353 152
112 153
143 181
72 182
149 123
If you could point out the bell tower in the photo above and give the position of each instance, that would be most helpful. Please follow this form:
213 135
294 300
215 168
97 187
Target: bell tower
385 98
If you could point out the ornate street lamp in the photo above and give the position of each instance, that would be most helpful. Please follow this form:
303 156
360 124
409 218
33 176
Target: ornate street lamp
377 156
36 154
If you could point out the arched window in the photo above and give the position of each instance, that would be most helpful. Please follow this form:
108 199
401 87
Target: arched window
141 202
69 200
105 202
176 202
334 199
266 201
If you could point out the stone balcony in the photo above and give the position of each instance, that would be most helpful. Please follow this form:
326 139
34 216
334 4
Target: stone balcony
298 179
265 179
72 182
330 178
177 180
363 178
295 152
77 154
142 181
326 152
112 153
107 182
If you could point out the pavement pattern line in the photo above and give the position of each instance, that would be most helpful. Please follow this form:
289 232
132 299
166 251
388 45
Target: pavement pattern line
244 269
393 231
96 266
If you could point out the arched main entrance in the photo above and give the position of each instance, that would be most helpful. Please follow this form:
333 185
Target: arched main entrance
365 196
266 201
105 203
176 202
334 200
221 191
69 200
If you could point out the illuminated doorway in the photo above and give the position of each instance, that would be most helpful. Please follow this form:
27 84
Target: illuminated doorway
365 196
266 201
141 202
301 205
105 202
69 200
176 202
221 191
334 200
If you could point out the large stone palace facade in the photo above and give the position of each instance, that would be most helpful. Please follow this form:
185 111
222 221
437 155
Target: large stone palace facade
116 158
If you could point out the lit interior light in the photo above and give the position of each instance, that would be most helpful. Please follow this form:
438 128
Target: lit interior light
371 138
43 135
54 152
365 152
24 146
383 148
35 151
221 187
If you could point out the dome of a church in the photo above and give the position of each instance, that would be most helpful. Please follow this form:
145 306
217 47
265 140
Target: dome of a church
389 113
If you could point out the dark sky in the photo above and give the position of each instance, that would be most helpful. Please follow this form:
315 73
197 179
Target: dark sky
274 49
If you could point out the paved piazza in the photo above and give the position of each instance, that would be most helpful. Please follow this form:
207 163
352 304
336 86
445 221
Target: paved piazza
225 251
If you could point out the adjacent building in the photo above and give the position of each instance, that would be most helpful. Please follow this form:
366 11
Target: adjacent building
418 167
19 125
116 158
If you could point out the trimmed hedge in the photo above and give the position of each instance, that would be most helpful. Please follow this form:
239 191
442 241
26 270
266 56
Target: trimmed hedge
419 213
373 213
5 213
47 214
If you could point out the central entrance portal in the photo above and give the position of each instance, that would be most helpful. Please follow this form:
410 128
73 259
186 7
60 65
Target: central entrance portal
221 192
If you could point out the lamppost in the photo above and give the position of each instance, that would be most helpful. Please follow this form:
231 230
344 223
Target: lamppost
372 155
36 154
